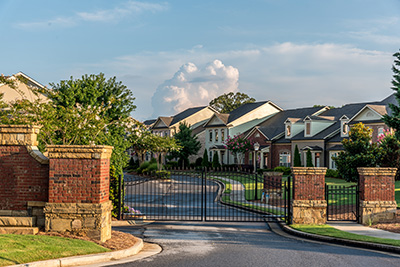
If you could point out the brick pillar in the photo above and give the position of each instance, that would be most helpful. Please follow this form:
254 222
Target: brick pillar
377 195
79 190
23 170
309 204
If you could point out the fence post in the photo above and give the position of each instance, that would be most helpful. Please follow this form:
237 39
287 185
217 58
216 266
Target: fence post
256 188
119 197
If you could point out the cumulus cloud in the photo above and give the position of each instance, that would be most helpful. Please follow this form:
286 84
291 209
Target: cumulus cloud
192 86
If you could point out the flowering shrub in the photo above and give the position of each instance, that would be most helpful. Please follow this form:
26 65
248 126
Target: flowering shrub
130 210
389 149
238 145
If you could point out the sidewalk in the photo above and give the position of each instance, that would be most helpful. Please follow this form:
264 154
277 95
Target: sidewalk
355 228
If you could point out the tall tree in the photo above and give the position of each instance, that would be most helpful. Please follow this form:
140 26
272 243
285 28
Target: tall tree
309 159
189 144
393 120
215 161
297 159
230 101
205 162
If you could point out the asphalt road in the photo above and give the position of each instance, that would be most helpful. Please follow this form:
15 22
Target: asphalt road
244 244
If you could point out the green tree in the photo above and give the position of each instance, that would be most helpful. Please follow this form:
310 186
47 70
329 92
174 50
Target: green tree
238 145
227 102
215 161
297 159
189 144
393 120
309 159
205 162
358 152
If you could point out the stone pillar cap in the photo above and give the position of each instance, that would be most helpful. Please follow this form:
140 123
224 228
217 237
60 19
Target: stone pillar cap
309 170
376 171
79 152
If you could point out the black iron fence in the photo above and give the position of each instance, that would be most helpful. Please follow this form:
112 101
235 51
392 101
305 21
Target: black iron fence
205 195
343 203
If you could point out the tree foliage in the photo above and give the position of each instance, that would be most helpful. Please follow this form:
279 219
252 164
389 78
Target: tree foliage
297 159
309 159
393 120
205 162
238 145
215 161
189 144
359 151
230 101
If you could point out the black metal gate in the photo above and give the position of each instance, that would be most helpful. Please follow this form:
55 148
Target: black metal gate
201 195
343 203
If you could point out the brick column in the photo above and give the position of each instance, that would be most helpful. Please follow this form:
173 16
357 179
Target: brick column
309 204
377 195
23 170
79 190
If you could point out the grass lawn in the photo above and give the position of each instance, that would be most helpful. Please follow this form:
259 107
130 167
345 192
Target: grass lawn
17 249
327 230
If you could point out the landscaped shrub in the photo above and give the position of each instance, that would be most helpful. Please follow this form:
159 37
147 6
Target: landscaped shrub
151 168
198 161
163 174
261 171
285 170
215 161
171 164
332 173
142 167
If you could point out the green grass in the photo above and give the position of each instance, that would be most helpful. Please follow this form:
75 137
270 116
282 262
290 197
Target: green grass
227 200
397 193
18 249
327 230
337 181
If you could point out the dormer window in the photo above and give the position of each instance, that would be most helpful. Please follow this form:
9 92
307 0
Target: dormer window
308 128
288 130
345 128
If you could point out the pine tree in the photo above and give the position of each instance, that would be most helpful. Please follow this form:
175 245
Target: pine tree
205 162
309 159
215 161
393 120
297 160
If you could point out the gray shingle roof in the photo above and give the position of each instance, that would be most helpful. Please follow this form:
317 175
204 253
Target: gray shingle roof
244 109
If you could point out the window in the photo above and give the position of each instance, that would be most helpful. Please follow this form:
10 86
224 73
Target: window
288 130
211 154
257 135
308 128
166 133
284 159
332 162
216 135
210 133
345 128
250 158
380 131
222 135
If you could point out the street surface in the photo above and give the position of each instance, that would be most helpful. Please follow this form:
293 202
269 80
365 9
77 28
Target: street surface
244 244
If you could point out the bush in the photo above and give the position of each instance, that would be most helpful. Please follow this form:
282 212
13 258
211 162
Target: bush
198 162
142 167
171 164
285 170
332 173
133 164
163 174
151 168
215 161
261 171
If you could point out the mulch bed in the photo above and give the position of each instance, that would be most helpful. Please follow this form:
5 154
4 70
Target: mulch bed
118 241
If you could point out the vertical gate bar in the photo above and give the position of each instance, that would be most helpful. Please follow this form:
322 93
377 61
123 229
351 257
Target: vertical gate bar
202 193
289 199
119 197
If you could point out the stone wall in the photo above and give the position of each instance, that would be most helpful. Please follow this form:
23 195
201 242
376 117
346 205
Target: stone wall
377 195
309 204
24 171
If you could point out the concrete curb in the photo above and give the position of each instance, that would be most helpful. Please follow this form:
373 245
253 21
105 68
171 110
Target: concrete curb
88 259
340 241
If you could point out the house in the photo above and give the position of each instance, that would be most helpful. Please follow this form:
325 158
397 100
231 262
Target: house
274 137
240 120
22 90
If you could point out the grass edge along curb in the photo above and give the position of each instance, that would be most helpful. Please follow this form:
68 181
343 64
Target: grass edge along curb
41 247
342 241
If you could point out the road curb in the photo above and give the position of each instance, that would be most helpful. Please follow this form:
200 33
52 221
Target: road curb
339 241
88 259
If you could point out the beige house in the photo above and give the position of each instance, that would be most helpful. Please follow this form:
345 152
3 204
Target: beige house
22 90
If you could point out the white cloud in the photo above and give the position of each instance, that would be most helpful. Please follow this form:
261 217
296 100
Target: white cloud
289 74
131 8
192 86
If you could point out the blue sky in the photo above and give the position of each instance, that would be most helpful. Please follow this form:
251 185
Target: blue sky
178 54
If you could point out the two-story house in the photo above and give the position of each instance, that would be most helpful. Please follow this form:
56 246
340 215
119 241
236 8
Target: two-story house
240 120
22 90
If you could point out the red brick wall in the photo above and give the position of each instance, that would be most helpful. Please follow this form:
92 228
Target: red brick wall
275 150
308 183
22 178
377 185
79 180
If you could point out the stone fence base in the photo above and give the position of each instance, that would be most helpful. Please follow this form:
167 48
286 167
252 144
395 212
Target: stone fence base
309 211
93 220
372 212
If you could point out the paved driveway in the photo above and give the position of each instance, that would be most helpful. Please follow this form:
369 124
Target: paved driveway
244 244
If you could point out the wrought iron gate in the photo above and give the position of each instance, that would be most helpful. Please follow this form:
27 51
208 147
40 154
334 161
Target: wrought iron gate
343 203
200 195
